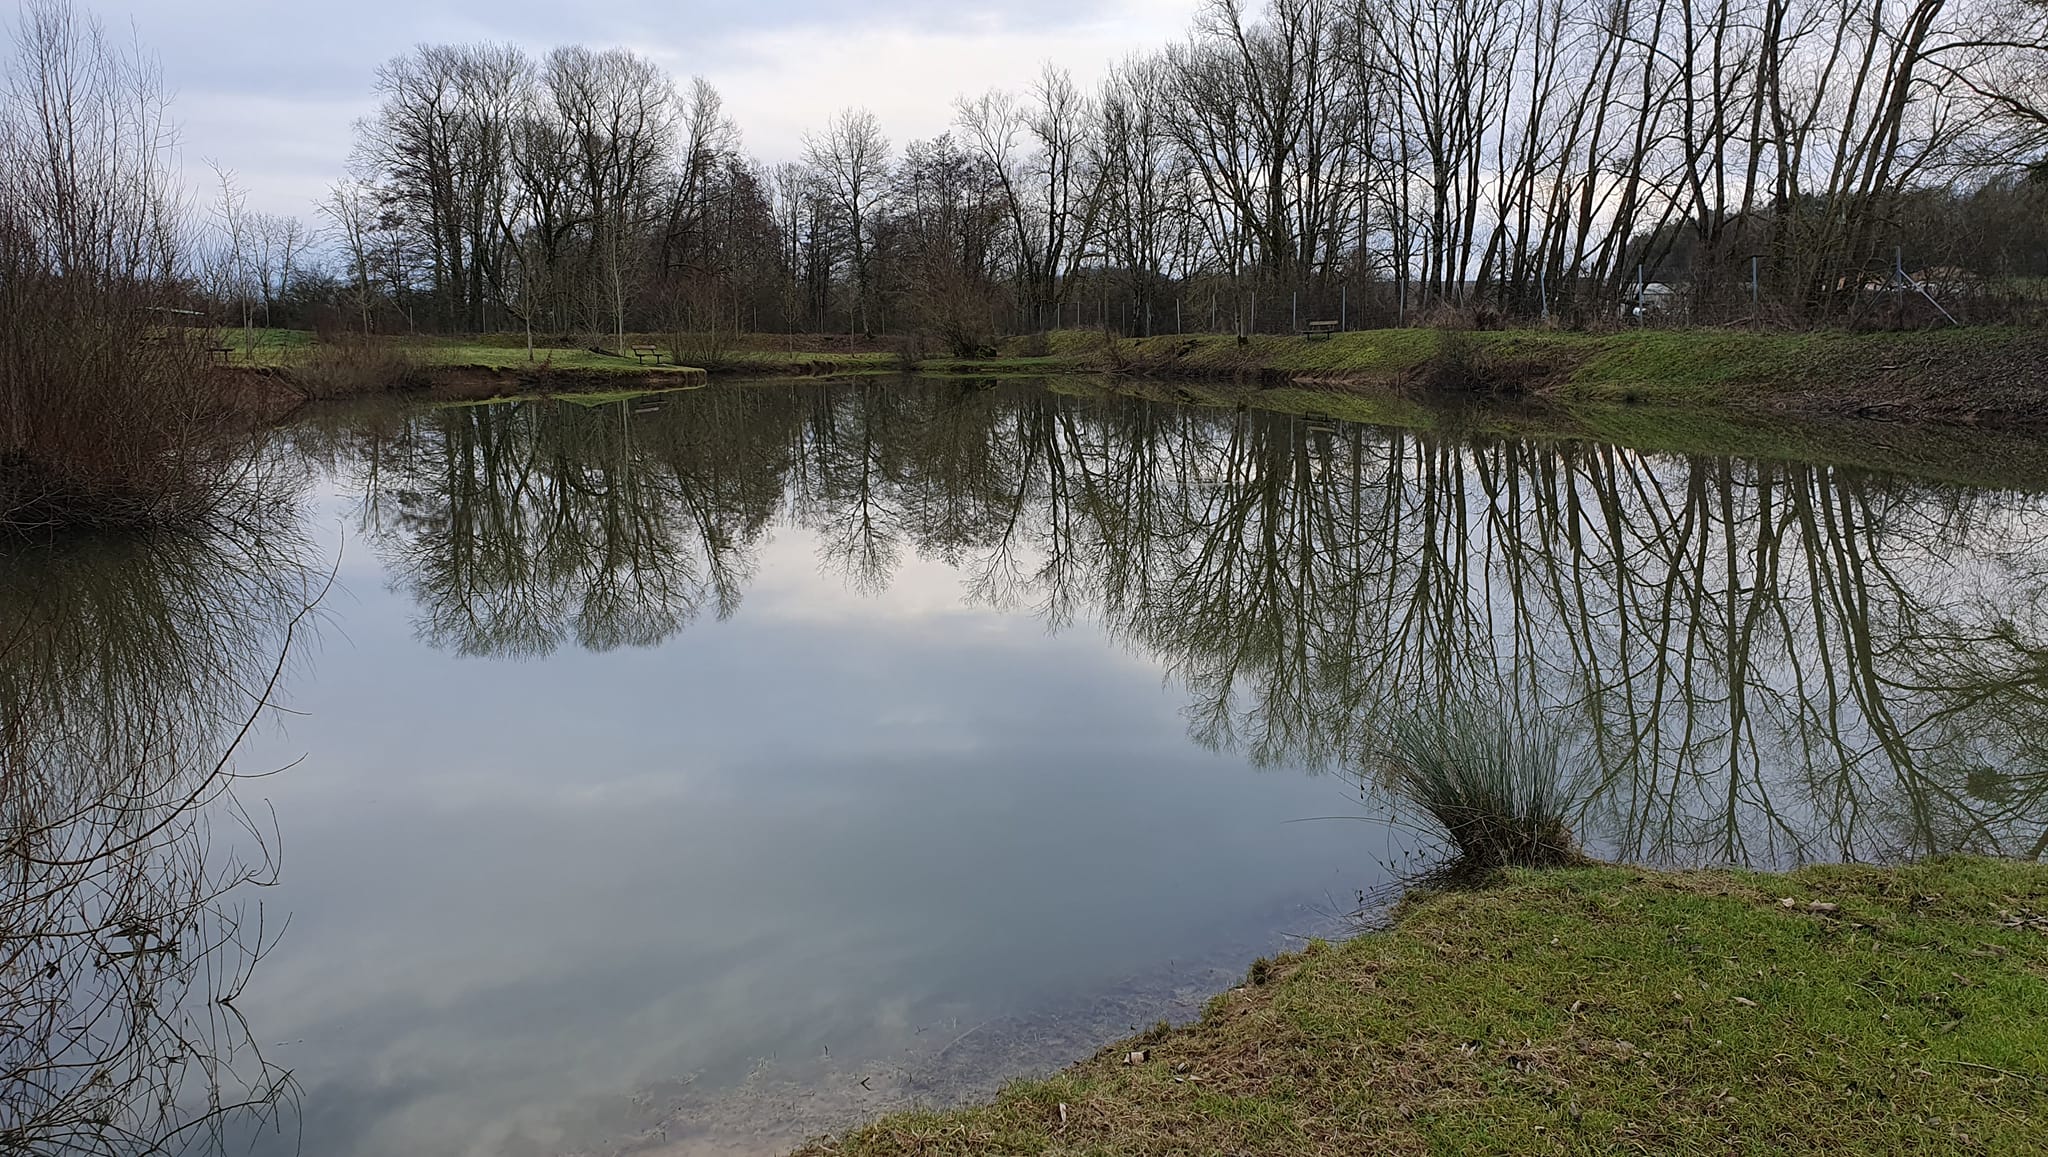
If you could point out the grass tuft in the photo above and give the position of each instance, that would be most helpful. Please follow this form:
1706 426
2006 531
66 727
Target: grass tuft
1498 791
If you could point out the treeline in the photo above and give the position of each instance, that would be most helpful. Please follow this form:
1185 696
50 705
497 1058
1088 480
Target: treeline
1377 161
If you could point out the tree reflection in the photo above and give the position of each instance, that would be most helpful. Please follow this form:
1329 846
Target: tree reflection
1761 661
519 528
128 673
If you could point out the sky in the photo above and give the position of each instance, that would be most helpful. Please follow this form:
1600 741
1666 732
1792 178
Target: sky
269 89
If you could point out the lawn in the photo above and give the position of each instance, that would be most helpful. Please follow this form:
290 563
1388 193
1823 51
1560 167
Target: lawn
1595 1010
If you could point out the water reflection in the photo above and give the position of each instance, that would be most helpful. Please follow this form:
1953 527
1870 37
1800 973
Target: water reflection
1765 662
128 672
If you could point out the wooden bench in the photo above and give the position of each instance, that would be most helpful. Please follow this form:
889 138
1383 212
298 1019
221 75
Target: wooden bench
223 352
642 352
1319 330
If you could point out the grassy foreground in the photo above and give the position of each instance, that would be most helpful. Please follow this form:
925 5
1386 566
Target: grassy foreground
1594 1010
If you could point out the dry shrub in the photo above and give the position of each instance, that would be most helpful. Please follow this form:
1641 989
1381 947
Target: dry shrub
953 307
1456 362
911 350
110 414
353 366
107 417
706 349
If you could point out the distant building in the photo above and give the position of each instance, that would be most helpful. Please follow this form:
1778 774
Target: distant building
1652 299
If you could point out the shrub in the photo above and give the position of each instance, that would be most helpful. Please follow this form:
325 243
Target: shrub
352 366
1456 363
706 349
110 413
911 351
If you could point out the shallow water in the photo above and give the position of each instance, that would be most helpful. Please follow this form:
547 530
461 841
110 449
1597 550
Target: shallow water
703 772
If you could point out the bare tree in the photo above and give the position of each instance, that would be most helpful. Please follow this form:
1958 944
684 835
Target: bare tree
1040 150
851 160
617 112
351 211
1540 158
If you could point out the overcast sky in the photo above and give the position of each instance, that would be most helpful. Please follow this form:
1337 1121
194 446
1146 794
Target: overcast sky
269 88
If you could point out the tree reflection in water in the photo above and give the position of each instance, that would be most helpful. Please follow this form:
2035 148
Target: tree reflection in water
1760 662
128 672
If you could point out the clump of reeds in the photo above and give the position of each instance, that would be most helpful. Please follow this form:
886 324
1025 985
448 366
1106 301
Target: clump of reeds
1497 788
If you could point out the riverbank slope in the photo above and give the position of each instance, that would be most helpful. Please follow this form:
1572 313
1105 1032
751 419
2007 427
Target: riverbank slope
1606 1009
1981 376
1991 377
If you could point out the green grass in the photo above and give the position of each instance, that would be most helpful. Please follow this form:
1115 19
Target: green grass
1591 1010
287 347
497 356
588 398
756 353
262 346
1662 365
1818 371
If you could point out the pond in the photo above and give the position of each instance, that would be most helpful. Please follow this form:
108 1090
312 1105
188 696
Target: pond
699 772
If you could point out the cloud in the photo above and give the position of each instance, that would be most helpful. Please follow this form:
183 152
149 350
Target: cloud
272 90
786 81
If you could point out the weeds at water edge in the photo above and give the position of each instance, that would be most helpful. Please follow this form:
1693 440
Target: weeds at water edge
1498 791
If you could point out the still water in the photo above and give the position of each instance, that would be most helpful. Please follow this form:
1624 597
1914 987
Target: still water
697 773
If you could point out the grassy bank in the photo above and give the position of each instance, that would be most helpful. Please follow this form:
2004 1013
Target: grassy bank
291 365
1982 375
1594 1010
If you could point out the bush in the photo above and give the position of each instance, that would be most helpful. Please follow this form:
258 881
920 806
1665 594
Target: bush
108 418
1456 363
352 366
911 350
110 413
706 349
